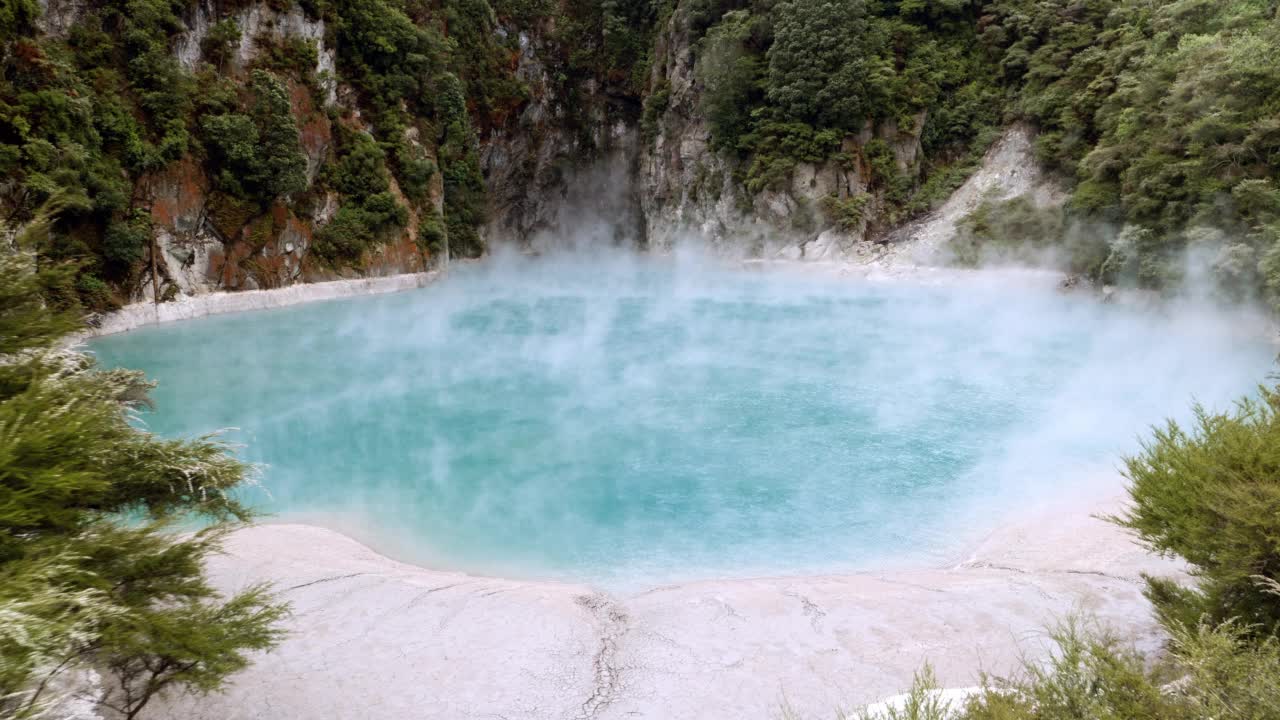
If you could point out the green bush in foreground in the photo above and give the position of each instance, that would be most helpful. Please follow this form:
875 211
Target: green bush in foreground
1212 673
89 576
1211 495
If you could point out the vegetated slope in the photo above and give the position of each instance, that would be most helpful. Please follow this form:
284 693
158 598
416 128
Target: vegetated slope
1164 116
258 143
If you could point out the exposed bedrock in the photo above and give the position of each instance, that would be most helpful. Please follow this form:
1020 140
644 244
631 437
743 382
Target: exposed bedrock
574 162
605 177
689 189
373 638
563 171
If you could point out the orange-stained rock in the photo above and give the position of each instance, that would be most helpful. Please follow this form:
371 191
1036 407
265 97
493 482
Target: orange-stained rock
177 195
177 198
314 129
398 256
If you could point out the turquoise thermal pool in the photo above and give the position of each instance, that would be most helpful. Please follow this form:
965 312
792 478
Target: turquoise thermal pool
647 421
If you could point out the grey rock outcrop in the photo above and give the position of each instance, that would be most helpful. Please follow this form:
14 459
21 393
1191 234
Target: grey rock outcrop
57 16
561 175
688 189
259 22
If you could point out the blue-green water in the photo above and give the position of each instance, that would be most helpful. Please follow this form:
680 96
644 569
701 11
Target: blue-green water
643 421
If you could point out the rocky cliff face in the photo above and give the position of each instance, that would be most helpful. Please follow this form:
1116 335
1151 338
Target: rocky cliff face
206 243
572 164
561 173
671 185
260 25
687 188
556 174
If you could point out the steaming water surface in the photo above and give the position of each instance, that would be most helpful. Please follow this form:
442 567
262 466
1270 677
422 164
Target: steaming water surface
644 421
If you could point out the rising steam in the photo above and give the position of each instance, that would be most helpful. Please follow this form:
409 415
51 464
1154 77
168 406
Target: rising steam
618 418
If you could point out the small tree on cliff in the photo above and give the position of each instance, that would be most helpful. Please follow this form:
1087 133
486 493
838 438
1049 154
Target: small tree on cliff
257 156
88 576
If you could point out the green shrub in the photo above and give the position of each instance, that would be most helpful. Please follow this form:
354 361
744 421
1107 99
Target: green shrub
1210 673
220 44
885 173
464 207
345 237
231 140
482 58
779 146
95 294
413 169
359 226
846 214
92 575
361 170
655 106
258 155
1210 494
370 213
125 242
17 17
1015 228
293 56
432 234
465 197
922 702
282 165
732 76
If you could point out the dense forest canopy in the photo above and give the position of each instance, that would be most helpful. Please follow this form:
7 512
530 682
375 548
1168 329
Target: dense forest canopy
1161 117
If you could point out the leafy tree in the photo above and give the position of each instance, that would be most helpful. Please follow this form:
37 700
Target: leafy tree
386 56
283 166
125 241
606 41
220 44
732 78
1211 495
1157 113
464 189
17 17
232 142
257 155
791 82
369 211
482 59
824 61
91 575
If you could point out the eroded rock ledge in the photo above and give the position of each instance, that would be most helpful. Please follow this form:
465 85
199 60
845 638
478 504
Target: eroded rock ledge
141 314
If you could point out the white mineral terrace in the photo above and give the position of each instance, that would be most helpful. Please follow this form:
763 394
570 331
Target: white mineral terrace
375 638
187 307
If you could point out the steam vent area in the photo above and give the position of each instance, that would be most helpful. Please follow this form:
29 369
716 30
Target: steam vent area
639 359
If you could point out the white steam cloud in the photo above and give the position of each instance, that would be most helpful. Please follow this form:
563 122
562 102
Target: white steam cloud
619 418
